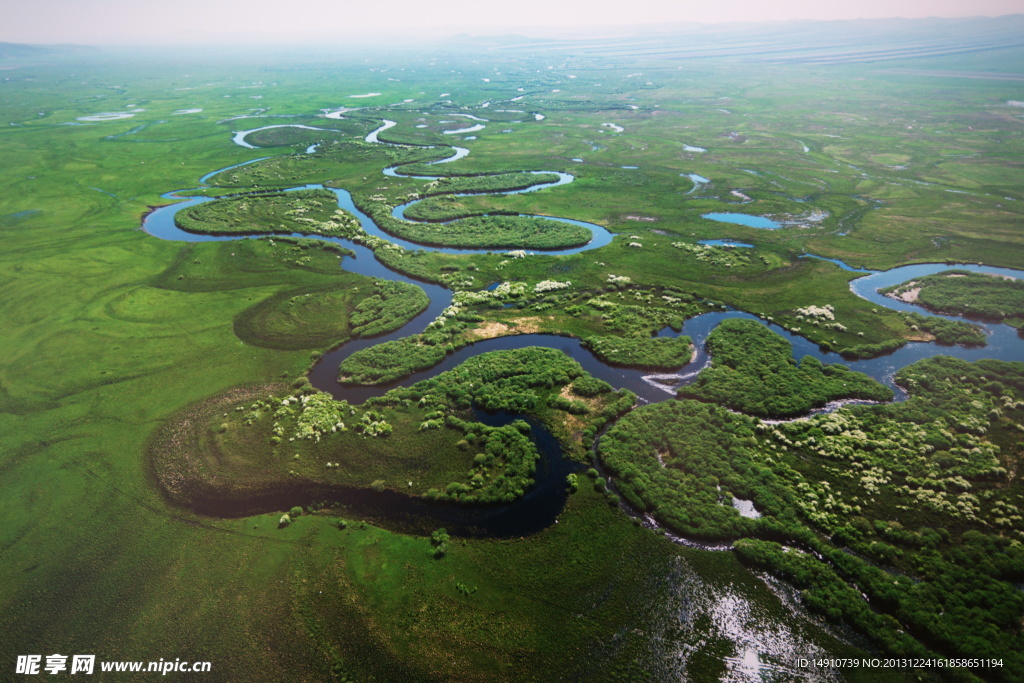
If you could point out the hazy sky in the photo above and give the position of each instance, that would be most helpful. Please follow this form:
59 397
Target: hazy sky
124 21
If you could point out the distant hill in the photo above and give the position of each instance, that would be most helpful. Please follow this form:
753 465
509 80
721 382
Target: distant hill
23 52
811 42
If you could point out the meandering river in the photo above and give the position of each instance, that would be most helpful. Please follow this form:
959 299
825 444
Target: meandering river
541 506
732 612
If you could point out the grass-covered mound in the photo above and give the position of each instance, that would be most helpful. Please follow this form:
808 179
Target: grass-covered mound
389 361
250 449
388 308
257 263
260 449
319 318
481 232
753 371
305 211
961 292
649 353
903 521
441 209
441 202
295 136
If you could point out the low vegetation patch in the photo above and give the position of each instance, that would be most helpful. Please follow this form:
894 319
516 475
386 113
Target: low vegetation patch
961 292
389 361
325 317
752 370
651 353
483 232
305 211
247 449
948 332
479 184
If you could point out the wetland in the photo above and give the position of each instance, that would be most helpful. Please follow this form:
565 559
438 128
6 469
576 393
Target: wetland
525 405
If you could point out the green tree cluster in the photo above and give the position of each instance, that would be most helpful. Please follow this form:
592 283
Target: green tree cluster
753 371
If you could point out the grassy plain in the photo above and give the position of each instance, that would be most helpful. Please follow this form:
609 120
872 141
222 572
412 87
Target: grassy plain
110 332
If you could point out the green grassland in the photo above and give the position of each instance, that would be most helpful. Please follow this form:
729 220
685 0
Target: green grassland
763 281
112 336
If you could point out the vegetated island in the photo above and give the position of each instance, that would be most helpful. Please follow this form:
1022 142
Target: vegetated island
305 211
486 183
753 371
248 449
961 292
647 353
493 231
316 317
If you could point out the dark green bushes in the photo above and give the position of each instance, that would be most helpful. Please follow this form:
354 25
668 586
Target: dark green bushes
679 461
588 387
499 380
569 405
753 371
389 361
873 350
439 543
898 520
502 472
393 304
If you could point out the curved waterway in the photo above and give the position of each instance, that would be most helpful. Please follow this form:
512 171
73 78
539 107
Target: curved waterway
541 505
239 137
599 235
